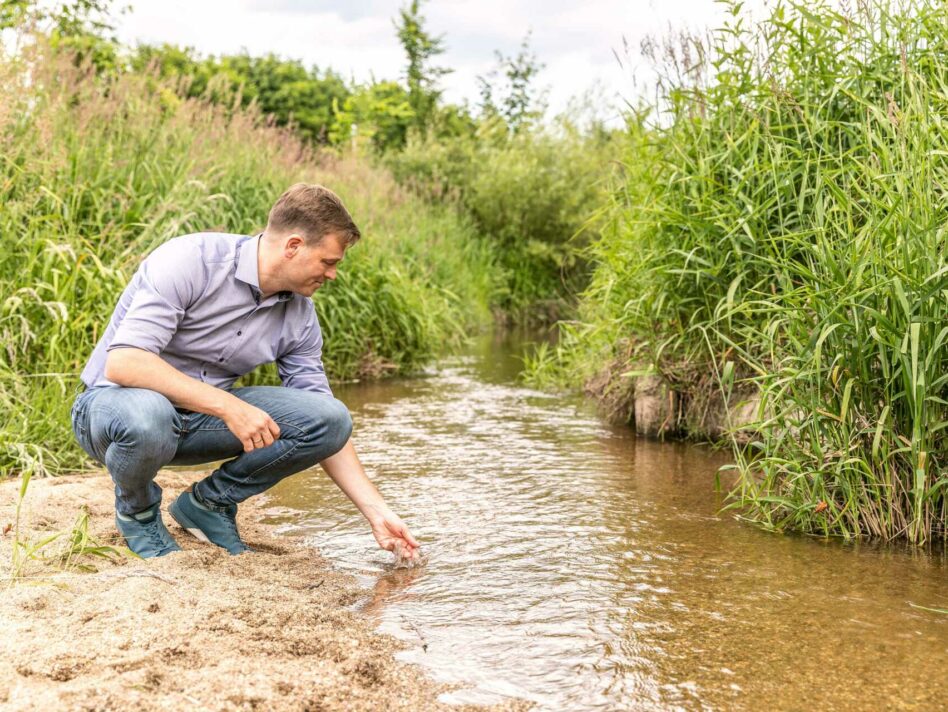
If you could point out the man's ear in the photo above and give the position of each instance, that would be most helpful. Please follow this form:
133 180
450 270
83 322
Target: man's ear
292 244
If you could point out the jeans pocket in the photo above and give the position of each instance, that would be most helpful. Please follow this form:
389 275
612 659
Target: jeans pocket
78 417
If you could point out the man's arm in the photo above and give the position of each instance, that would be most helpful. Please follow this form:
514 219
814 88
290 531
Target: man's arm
137 368
345 469
301 364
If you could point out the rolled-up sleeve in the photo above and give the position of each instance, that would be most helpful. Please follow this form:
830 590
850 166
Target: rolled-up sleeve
301 366
167 283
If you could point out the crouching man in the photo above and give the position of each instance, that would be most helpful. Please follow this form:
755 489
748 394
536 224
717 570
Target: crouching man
201 311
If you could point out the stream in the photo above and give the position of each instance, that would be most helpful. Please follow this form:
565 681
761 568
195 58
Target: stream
579 567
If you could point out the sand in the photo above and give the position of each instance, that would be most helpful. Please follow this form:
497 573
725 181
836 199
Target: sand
198 629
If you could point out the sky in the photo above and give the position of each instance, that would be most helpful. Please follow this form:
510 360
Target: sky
577 42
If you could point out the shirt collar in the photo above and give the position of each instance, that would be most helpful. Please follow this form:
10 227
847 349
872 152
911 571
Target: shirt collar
247 268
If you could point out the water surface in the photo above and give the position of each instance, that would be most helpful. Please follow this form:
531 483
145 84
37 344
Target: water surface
579 567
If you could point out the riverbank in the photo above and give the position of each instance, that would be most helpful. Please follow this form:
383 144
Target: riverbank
199 628
774 260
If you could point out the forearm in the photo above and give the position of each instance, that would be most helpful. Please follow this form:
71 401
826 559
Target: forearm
136 368
345 469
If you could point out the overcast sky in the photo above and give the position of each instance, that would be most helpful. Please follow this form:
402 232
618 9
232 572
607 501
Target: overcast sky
574 39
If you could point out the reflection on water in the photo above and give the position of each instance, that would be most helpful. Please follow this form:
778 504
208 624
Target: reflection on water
576 566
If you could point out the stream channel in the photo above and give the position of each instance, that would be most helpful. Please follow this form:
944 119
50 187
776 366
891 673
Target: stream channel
579 567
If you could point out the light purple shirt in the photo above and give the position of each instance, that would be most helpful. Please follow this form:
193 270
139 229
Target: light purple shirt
196 302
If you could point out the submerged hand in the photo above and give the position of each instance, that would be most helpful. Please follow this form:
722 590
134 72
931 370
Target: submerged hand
392 535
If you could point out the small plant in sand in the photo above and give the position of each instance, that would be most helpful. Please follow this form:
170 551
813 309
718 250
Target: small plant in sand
67 550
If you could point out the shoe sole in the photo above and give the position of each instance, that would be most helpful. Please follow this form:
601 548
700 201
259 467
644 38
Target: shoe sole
186 524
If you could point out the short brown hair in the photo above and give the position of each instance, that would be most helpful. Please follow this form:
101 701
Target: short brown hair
315 211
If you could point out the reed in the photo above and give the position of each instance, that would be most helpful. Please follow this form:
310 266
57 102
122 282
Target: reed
97 171
782 226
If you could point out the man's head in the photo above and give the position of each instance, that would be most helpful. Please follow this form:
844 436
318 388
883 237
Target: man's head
313 212
308 232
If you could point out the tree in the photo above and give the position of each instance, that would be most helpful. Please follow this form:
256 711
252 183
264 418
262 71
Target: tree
288 90
83 28
68 19
515 101
422 77
282 88
376 114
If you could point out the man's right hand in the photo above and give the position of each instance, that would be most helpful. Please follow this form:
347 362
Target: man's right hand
252 426
136 368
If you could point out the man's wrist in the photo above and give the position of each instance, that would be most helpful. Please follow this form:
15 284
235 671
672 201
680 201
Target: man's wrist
375 512
219 402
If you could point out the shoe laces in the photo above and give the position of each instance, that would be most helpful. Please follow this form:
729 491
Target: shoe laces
231 517
155 536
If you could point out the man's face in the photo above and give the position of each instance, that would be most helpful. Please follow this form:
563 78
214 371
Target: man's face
308 267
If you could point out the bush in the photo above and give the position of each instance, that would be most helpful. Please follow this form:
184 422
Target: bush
532 195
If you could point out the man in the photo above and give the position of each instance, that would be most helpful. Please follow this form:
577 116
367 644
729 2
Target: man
201 311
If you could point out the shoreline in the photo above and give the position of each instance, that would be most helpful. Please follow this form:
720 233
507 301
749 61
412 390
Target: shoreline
269 630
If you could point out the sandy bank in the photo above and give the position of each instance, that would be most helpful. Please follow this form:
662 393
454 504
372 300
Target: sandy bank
195 630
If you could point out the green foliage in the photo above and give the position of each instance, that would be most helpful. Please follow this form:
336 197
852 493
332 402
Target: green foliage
72 550
82 28
532 195
74 18
421 76
377 115
281 88
782 227
96 171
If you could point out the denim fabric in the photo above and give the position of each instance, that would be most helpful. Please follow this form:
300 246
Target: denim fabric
135 431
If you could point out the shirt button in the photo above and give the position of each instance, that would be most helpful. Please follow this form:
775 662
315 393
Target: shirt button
239 333
220 359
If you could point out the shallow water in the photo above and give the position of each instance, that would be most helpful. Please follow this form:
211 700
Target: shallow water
579 567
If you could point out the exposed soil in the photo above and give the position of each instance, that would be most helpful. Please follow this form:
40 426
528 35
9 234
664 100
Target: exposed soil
198 629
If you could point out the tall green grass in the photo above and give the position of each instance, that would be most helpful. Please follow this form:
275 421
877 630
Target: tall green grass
95 172
782 227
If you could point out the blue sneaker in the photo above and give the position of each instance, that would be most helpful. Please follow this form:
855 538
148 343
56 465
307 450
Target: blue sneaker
213 524
146 534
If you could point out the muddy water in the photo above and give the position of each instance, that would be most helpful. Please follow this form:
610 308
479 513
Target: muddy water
578 567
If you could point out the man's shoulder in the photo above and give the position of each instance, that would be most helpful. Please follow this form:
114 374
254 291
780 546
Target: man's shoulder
210 246
301 307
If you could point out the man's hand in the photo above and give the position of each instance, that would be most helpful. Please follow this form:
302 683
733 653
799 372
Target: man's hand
389 530
252 426
392 534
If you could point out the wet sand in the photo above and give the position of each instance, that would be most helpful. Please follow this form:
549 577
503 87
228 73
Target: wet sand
196 629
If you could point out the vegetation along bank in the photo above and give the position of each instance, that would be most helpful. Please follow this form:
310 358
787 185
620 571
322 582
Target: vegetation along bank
773 265
766 263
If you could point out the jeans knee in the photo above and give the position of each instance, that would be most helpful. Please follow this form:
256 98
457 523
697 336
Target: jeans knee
339 425
145 421
330 426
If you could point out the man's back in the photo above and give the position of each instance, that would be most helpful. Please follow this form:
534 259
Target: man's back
196 301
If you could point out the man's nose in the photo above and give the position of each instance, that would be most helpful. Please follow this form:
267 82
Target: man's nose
331 273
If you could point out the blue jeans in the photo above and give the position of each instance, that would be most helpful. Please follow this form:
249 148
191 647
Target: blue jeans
135 431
